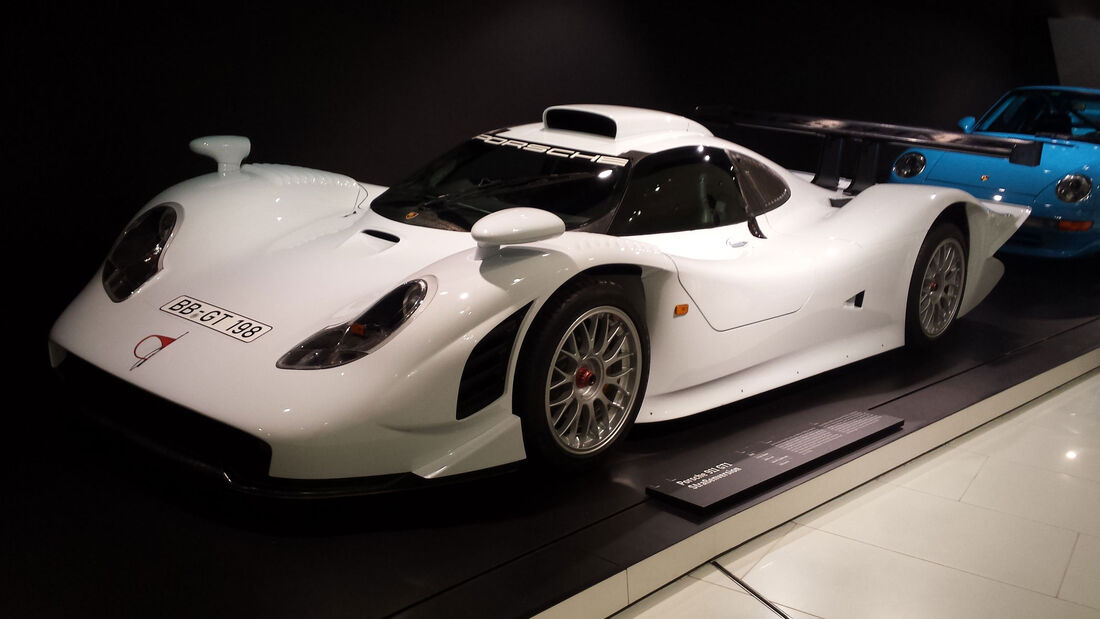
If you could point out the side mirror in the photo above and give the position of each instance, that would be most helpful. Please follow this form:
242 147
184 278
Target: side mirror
514 226
966 123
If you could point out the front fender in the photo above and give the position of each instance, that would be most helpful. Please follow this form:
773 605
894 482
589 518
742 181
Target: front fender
475 295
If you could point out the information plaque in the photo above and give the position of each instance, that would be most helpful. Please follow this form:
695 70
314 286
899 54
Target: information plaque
707 478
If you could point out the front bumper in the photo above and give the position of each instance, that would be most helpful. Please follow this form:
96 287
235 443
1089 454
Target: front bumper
1040 236
206 449
391 413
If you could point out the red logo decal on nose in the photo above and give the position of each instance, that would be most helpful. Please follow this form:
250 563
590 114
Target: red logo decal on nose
151 345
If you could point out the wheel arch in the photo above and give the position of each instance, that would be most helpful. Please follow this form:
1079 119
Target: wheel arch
630 278
958 214
984 228
628 275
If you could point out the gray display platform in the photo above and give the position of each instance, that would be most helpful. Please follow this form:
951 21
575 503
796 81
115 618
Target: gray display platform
704 479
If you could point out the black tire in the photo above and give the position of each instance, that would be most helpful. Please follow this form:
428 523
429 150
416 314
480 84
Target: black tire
561 376
936 286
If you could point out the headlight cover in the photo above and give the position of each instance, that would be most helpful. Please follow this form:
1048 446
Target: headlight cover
1073 188
334 346
139 251
909 165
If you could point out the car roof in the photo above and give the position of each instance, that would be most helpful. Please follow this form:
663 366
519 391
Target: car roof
1089 91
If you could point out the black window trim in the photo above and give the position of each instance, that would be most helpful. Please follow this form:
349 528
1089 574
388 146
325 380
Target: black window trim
736 158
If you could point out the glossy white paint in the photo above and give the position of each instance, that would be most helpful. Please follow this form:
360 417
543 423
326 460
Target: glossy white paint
632 122
286 246
514 226
228 150
780 309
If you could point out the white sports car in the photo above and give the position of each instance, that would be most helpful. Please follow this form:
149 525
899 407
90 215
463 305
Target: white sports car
530 294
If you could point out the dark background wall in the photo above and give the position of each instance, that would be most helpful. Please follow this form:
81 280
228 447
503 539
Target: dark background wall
1076 50
107 98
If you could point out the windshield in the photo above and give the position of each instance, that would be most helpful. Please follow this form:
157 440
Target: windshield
1057 113
490 173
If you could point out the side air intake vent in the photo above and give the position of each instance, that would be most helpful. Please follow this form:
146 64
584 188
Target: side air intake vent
584 122
385 236
483 378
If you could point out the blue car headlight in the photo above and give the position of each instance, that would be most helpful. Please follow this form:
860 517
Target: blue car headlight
1073 188
139 251
339 344
909 165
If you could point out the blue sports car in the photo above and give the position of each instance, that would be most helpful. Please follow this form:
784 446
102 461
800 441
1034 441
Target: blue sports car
1065 215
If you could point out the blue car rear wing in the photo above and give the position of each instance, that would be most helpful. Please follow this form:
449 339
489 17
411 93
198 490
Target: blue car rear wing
867 136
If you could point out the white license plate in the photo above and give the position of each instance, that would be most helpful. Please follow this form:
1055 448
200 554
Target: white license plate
219 319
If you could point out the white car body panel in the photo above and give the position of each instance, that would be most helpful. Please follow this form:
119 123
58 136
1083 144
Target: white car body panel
286 246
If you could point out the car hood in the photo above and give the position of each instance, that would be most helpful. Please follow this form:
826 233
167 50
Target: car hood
309 255
1019 184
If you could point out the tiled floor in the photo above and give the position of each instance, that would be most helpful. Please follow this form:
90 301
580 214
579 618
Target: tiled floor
1001 522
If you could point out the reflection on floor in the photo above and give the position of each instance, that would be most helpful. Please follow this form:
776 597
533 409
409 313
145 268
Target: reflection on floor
1001 522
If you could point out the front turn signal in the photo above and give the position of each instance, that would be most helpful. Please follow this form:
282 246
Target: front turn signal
1066 225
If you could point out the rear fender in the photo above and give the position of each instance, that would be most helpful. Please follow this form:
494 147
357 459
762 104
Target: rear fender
989 226
902 215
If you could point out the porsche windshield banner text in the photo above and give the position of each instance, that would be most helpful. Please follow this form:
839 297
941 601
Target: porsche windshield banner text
553 151
211 316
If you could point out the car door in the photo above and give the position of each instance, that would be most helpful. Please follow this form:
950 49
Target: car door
690 204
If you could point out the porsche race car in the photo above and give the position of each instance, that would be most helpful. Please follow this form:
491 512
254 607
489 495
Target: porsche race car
530 294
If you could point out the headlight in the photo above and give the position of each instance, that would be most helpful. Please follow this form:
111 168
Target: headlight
909 165
138 252
1073 188
340 344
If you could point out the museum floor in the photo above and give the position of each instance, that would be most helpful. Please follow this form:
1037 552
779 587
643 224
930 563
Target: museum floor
1001 522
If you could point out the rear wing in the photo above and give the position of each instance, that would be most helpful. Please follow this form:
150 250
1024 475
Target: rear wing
868 136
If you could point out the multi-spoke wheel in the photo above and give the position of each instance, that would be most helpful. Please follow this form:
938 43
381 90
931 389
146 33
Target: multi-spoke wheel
593 381
582 374
936 288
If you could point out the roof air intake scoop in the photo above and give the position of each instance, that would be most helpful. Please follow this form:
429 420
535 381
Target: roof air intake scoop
579 120
227 150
